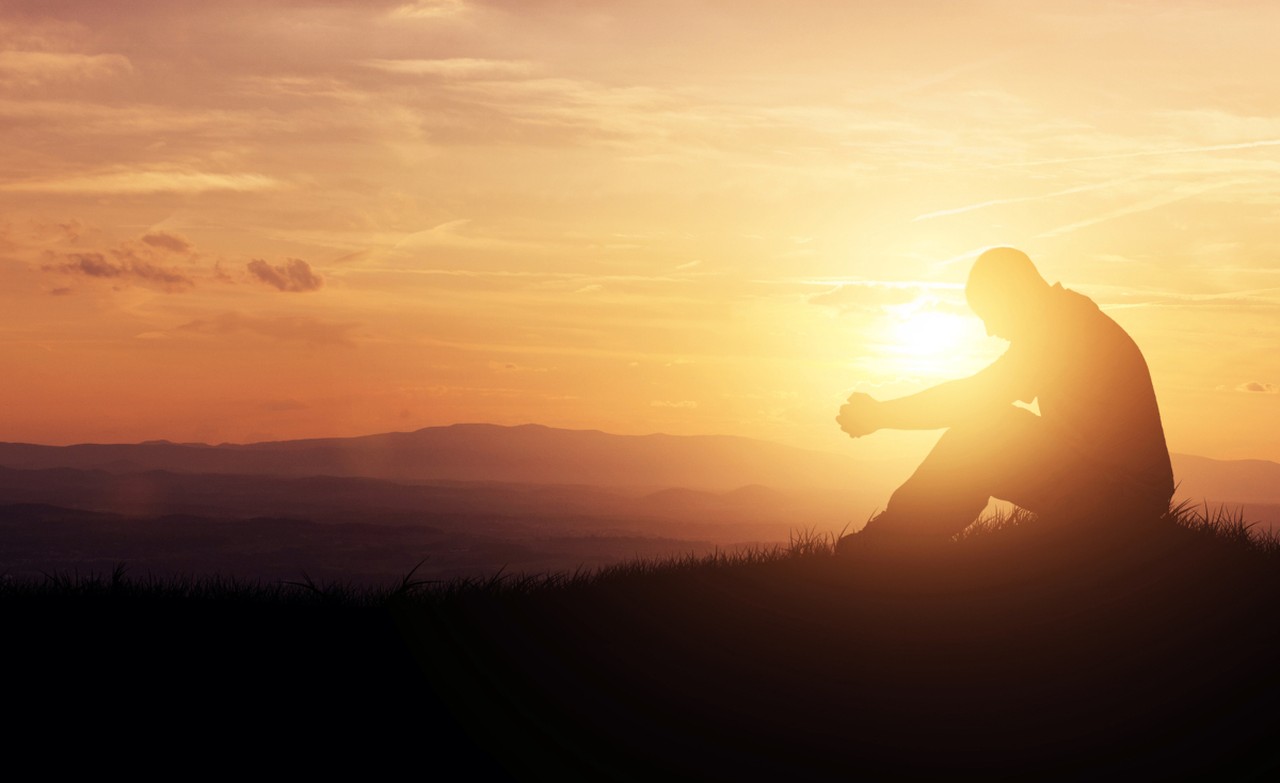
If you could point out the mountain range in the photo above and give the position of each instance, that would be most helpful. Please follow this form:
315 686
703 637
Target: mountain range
526 454
535 454
472 498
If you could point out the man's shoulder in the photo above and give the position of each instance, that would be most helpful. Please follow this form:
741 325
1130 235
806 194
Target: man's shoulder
1070 305
1081 324
1070 298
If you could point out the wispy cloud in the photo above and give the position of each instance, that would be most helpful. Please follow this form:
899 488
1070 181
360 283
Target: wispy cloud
934 79
873 297
452 234
1235 301
1148 153
1024 199
32 68
969 255
455 67
1180 193
431 9
673 404
296 328
143 181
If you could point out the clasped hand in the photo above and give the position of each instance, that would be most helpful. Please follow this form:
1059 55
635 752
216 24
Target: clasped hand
859 415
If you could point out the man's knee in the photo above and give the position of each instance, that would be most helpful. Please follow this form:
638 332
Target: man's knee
998 430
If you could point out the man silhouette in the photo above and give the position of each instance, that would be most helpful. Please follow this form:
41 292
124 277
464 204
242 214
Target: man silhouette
1096 449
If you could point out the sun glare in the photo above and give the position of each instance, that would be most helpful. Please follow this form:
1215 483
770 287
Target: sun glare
919 340
928 334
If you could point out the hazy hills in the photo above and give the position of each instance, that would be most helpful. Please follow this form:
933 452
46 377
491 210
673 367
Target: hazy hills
527 454
347 499
1244 480
469 498
535 454
480 497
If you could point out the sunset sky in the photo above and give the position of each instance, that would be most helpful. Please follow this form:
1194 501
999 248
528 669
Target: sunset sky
242 221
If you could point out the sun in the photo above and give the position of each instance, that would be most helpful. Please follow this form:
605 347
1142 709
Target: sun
928 334
919 339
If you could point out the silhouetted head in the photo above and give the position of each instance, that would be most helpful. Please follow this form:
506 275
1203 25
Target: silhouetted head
1006 291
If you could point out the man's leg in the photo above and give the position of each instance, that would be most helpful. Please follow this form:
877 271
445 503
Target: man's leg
1008 454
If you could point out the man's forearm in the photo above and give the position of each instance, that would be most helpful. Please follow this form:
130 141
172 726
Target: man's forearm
934 408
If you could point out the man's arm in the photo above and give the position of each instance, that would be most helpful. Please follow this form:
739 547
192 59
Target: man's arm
937 407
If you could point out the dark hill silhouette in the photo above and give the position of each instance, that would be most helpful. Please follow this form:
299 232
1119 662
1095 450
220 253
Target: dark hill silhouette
1111 651
21 513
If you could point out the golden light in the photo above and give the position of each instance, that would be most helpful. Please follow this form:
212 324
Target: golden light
919 340
928 334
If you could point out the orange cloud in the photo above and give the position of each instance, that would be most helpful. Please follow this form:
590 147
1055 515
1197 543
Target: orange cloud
29 69
1258 387
129 268
294 275
285 328
171 242
454 67
143 182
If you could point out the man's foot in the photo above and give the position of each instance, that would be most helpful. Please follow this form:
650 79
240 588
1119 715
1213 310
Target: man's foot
863 540
859 540
846 545
886 540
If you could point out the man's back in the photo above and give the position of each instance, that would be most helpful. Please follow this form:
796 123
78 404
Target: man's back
1093 388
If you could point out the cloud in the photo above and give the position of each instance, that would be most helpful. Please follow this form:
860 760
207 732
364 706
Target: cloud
126 267
30 69
171 242
294 275
450 234
1244 145
430 9
135 181
1257 300
298 328
1023 199
872 297
454 67
1258 387
513 367
91 264
1173 196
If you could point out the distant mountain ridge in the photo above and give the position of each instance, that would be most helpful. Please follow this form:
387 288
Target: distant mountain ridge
530 453
471 498
339 499
537 454
1242 480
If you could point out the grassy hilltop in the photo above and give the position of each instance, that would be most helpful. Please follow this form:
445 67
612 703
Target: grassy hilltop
1027 650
